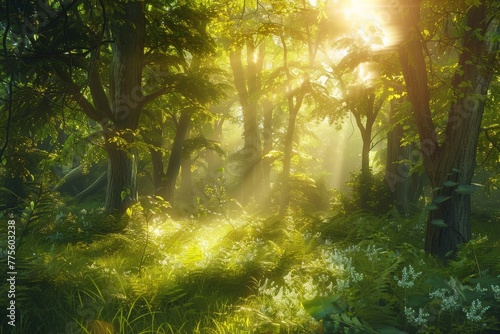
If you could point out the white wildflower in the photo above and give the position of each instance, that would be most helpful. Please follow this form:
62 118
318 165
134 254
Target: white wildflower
496 292
355 276
414 319
289 278
408 277
479 289
450 297
476 311
310 290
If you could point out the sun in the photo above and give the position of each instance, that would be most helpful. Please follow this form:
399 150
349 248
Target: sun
357 8
372 22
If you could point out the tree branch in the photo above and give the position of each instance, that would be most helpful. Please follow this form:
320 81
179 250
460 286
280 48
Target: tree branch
148 98
96 87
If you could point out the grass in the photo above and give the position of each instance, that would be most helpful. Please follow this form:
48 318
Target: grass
298 274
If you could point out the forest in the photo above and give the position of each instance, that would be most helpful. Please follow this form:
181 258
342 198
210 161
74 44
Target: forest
250 166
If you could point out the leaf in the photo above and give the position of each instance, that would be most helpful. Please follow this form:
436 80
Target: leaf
123 194
431 207
128 212
450 183
32 205
437 282
440 199
439 223
456 170
354 322
322 307
465 189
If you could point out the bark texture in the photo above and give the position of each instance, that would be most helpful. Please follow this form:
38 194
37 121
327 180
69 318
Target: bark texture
126 100
406 185
454 158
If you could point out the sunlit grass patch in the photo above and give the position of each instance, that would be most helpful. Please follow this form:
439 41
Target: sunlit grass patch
253 275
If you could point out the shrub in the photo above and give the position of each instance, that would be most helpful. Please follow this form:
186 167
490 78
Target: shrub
368 192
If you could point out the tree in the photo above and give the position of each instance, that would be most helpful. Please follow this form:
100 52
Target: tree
449 160
296 90
247 83
106 49
364 103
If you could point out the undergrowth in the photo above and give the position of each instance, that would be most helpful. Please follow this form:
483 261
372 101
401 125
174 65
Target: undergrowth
302 273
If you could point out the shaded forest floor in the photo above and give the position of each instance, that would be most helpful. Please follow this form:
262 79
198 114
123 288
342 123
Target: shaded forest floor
237 273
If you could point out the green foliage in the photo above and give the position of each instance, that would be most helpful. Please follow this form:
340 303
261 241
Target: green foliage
308 194
298 274
369 192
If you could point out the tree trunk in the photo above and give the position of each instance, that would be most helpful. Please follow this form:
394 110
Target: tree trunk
247 84
365 194
214 159
121 189
155 141
287 159
364 105
158 174
406 186
174 162
365 151
267 107
186 178
294 103
128 30
452 160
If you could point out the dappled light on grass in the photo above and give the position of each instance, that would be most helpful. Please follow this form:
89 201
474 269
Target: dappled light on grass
297 274
190 244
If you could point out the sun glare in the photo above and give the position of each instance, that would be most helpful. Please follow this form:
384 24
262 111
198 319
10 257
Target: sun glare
374 22
367 73
356 8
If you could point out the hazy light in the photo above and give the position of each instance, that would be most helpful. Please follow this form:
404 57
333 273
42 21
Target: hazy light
356 9
363 73
374 22
367 73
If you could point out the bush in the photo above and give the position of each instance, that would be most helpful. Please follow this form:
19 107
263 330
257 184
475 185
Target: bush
369 193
